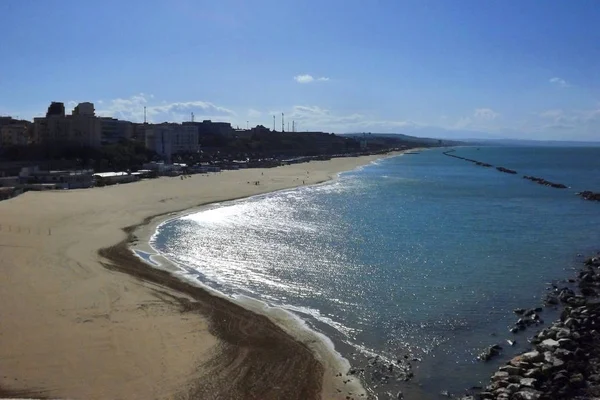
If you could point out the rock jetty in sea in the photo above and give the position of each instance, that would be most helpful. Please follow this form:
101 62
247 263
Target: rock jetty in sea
544 182
481 164
506 170
564 362
588 195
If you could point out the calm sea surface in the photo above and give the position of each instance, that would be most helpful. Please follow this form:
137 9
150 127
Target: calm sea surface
424 254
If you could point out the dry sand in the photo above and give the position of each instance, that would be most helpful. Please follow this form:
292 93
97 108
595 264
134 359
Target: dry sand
74 325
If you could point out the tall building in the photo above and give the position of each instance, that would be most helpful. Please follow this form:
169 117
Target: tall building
158 139
86 129
169 139
56 109
51 129
114 130
81 128
85 108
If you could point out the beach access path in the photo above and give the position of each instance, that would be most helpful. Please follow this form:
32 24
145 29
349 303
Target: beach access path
72 328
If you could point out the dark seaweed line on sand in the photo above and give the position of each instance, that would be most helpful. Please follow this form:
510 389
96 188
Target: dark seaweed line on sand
267 352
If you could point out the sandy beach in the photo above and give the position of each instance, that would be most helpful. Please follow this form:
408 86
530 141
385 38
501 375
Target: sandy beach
83 318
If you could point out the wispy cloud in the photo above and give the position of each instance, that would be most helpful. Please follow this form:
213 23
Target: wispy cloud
485 114
582 124
132 108
252 113
559 82
309 78
481 119
319 118
551 114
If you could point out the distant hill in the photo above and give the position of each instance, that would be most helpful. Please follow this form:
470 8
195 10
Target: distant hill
527 142
406 138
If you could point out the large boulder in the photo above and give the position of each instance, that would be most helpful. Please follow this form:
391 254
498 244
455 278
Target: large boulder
511 369
500 376
527 382
490 353
532 357
563 333
548 344
527 394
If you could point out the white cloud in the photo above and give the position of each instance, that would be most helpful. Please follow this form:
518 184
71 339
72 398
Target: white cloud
252 113
481 119
132 109
562 124
559 82
304 78
309 78
566 124
319 118
591 115
551 113
485 114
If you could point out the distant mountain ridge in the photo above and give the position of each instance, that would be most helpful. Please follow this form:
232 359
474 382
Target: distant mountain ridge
477 141
406 138
529 142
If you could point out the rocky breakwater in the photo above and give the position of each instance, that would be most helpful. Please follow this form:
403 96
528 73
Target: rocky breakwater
544 182
481 164
506 170
564 361
588 195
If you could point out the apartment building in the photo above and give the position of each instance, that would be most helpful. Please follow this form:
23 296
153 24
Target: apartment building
169 139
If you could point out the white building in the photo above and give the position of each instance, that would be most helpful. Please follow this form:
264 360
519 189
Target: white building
169 139
111 178
60 179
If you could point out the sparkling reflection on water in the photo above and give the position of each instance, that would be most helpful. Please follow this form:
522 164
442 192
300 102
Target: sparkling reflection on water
422 254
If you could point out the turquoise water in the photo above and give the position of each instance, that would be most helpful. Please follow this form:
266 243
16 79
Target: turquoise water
421 255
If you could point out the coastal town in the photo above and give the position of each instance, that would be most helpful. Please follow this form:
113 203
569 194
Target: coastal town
83 150
299 200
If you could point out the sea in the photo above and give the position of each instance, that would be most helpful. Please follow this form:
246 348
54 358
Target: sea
419 258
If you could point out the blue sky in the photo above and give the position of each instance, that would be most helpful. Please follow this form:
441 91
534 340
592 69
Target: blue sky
463 68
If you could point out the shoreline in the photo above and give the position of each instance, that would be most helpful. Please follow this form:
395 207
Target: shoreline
144 334
562 360
333 382
263 342
318 344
